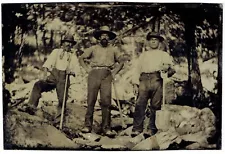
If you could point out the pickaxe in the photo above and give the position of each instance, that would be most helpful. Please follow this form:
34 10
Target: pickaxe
119 106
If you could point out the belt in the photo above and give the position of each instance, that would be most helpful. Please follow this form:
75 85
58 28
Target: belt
156 73
56 69
101 67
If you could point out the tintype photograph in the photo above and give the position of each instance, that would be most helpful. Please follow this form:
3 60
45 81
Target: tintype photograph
115 76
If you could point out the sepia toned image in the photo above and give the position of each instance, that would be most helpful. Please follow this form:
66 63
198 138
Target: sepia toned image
115 76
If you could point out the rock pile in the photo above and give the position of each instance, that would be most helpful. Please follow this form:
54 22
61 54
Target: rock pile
179 124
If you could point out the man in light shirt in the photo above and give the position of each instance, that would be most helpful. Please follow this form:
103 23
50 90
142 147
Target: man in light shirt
60 62
147 82
101 72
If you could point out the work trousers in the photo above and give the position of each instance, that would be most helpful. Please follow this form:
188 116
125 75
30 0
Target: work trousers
57 80
99 79
150 87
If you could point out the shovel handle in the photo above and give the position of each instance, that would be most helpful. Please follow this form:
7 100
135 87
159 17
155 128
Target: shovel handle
163 92
64 102
163 76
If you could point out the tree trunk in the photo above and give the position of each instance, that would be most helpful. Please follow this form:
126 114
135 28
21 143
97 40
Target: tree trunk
51 39
9 48
154 20
219 83
194 76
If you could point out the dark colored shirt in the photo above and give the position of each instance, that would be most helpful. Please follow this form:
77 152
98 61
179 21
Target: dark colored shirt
102 56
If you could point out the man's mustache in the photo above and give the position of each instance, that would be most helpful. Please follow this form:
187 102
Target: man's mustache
104 42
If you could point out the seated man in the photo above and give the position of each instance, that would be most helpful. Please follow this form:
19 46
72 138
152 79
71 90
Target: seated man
60 63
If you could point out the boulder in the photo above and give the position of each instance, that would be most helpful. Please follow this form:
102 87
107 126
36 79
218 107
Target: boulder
118 143
84 144
90 136
116 123
147 144
126 132
165 139
32 132
137 139
176 123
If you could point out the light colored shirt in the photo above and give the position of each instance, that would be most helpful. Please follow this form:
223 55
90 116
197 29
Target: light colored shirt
151 61
102 56
62 61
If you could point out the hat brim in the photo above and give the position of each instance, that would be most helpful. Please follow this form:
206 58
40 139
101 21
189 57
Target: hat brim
154 36
73 42
98 33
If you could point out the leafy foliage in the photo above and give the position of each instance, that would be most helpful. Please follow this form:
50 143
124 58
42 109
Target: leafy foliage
34 29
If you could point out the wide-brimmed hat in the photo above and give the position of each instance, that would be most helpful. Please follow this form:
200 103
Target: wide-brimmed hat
155 35
69 38
104 30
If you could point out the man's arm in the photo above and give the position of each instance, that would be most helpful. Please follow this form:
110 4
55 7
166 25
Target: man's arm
87 54
137 70
136 74
49 63
74 66
118 67
51 60
168 65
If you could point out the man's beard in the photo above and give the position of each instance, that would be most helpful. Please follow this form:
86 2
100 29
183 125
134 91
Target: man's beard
66 48
104 42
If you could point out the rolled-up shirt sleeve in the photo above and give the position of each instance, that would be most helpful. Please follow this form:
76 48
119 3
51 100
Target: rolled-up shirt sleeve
51 60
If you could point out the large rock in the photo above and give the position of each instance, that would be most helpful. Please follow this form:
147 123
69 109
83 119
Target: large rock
90 136
86 144
147 144
117 124
177 123
126 132
27 131
136 140
19 91
165 139
118 143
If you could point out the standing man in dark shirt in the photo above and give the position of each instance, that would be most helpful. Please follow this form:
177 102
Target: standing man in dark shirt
103 57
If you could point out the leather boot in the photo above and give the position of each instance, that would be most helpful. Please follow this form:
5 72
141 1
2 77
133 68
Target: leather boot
135 133
86 129
149 133
109 133
28 109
